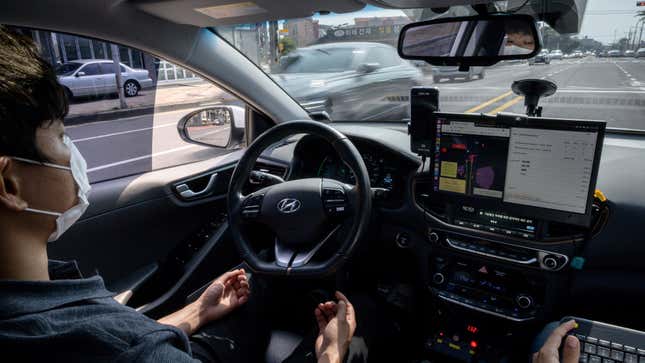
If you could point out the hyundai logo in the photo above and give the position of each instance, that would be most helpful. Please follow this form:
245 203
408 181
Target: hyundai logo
288 205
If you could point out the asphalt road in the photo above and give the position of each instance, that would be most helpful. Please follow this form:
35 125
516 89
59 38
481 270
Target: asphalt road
138 144
611 89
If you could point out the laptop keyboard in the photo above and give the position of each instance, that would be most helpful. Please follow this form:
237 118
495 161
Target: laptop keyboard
605 343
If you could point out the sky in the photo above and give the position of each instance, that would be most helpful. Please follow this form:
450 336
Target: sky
602 19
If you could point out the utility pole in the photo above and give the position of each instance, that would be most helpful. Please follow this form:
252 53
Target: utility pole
116 58
640 36
273 41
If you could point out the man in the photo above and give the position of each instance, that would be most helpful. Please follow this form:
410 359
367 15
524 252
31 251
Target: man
49 313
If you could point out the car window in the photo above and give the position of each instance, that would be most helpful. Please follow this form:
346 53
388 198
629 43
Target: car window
141 135
108 68
67 68
91 69
383 56
318 60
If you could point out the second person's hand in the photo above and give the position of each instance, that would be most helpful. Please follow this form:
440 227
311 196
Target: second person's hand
549 353
336 326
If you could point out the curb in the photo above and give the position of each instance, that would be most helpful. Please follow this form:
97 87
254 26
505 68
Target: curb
138 111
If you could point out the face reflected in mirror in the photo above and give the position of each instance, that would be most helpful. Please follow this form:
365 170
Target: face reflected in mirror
519 34
211 126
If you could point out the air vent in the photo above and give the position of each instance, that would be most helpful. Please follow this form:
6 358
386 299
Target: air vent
274 169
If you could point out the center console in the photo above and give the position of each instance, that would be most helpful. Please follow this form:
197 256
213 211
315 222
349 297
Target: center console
507 199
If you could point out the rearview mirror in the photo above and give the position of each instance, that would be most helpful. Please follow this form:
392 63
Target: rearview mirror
481 40
218 126
80 74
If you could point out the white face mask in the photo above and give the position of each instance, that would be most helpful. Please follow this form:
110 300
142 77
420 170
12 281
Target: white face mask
78 168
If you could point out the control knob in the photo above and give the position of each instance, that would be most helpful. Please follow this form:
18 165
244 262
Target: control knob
524 301
433 236
550 262
438 278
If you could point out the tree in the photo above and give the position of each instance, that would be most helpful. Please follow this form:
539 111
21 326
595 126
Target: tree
286 45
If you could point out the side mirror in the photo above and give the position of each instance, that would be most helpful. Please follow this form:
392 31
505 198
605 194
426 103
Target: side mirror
217 126
480 40
80 74
367 67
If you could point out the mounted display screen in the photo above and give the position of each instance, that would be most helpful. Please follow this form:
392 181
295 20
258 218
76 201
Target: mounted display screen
548 166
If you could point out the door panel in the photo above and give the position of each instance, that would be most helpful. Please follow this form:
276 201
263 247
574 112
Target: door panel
136 221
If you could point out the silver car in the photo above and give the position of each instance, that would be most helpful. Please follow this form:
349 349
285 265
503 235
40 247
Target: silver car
96 77
452 72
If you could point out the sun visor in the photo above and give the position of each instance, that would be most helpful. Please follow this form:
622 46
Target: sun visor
205 13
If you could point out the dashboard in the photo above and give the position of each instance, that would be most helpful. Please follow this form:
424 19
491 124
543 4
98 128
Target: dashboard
314 157
479 262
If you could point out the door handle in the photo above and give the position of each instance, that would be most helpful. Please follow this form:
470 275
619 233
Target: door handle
185 191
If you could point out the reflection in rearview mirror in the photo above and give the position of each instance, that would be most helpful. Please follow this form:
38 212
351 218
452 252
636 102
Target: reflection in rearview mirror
487 39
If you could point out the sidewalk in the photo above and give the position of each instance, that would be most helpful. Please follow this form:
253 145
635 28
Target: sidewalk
163 98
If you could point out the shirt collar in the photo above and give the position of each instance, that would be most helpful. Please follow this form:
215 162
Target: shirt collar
65 287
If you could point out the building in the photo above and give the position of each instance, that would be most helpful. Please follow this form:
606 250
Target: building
381 21
304 32
62 48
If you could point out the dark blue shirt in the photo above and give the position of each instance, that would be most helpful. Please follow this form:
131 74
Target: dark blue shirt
72 319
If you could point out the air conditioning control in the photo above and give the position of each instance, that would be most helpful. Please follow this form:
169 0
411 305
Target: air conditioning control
438 278
524 301
550 262
433 237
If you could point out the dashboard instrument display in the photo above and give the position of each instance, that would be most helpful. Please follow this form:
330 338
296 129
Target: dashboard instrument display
382 173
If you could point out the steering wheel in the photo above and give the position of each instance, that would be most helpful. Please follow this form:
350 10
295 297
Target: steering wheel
303 214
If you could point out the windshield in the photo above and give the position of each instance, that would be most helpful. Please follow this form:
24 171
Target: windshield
67 69
329 63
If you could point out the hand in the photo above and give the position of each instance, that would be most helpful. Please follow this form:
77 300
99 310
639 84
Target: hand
549 351
336 327
224 295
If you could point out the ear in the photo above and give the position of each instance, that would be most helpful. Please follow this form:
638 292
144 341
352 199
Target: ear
9 196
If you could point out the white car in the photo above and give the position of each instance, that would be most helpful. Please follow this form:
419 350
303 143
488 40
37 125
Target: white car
556 54
96 77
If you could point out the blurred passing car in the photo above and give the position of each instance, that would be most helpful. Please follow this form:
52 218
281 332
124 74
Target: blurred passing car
640 52
542 57
614 53
556 54
451 73
96 77
349 81
630 53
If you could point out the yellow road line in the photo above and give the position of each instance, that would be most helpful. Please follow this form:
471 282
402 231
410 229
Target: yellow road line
489 102
507 104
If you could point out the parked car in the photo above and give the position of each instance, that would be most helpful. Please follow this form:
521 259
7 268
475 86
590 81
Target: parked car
96 77
630 53
542 57
556 54
451 73
349 81
614 53
640 52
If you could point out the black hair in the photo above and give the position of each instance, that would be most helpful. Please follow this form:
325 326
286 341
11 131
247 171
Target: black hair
30 96
517 26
